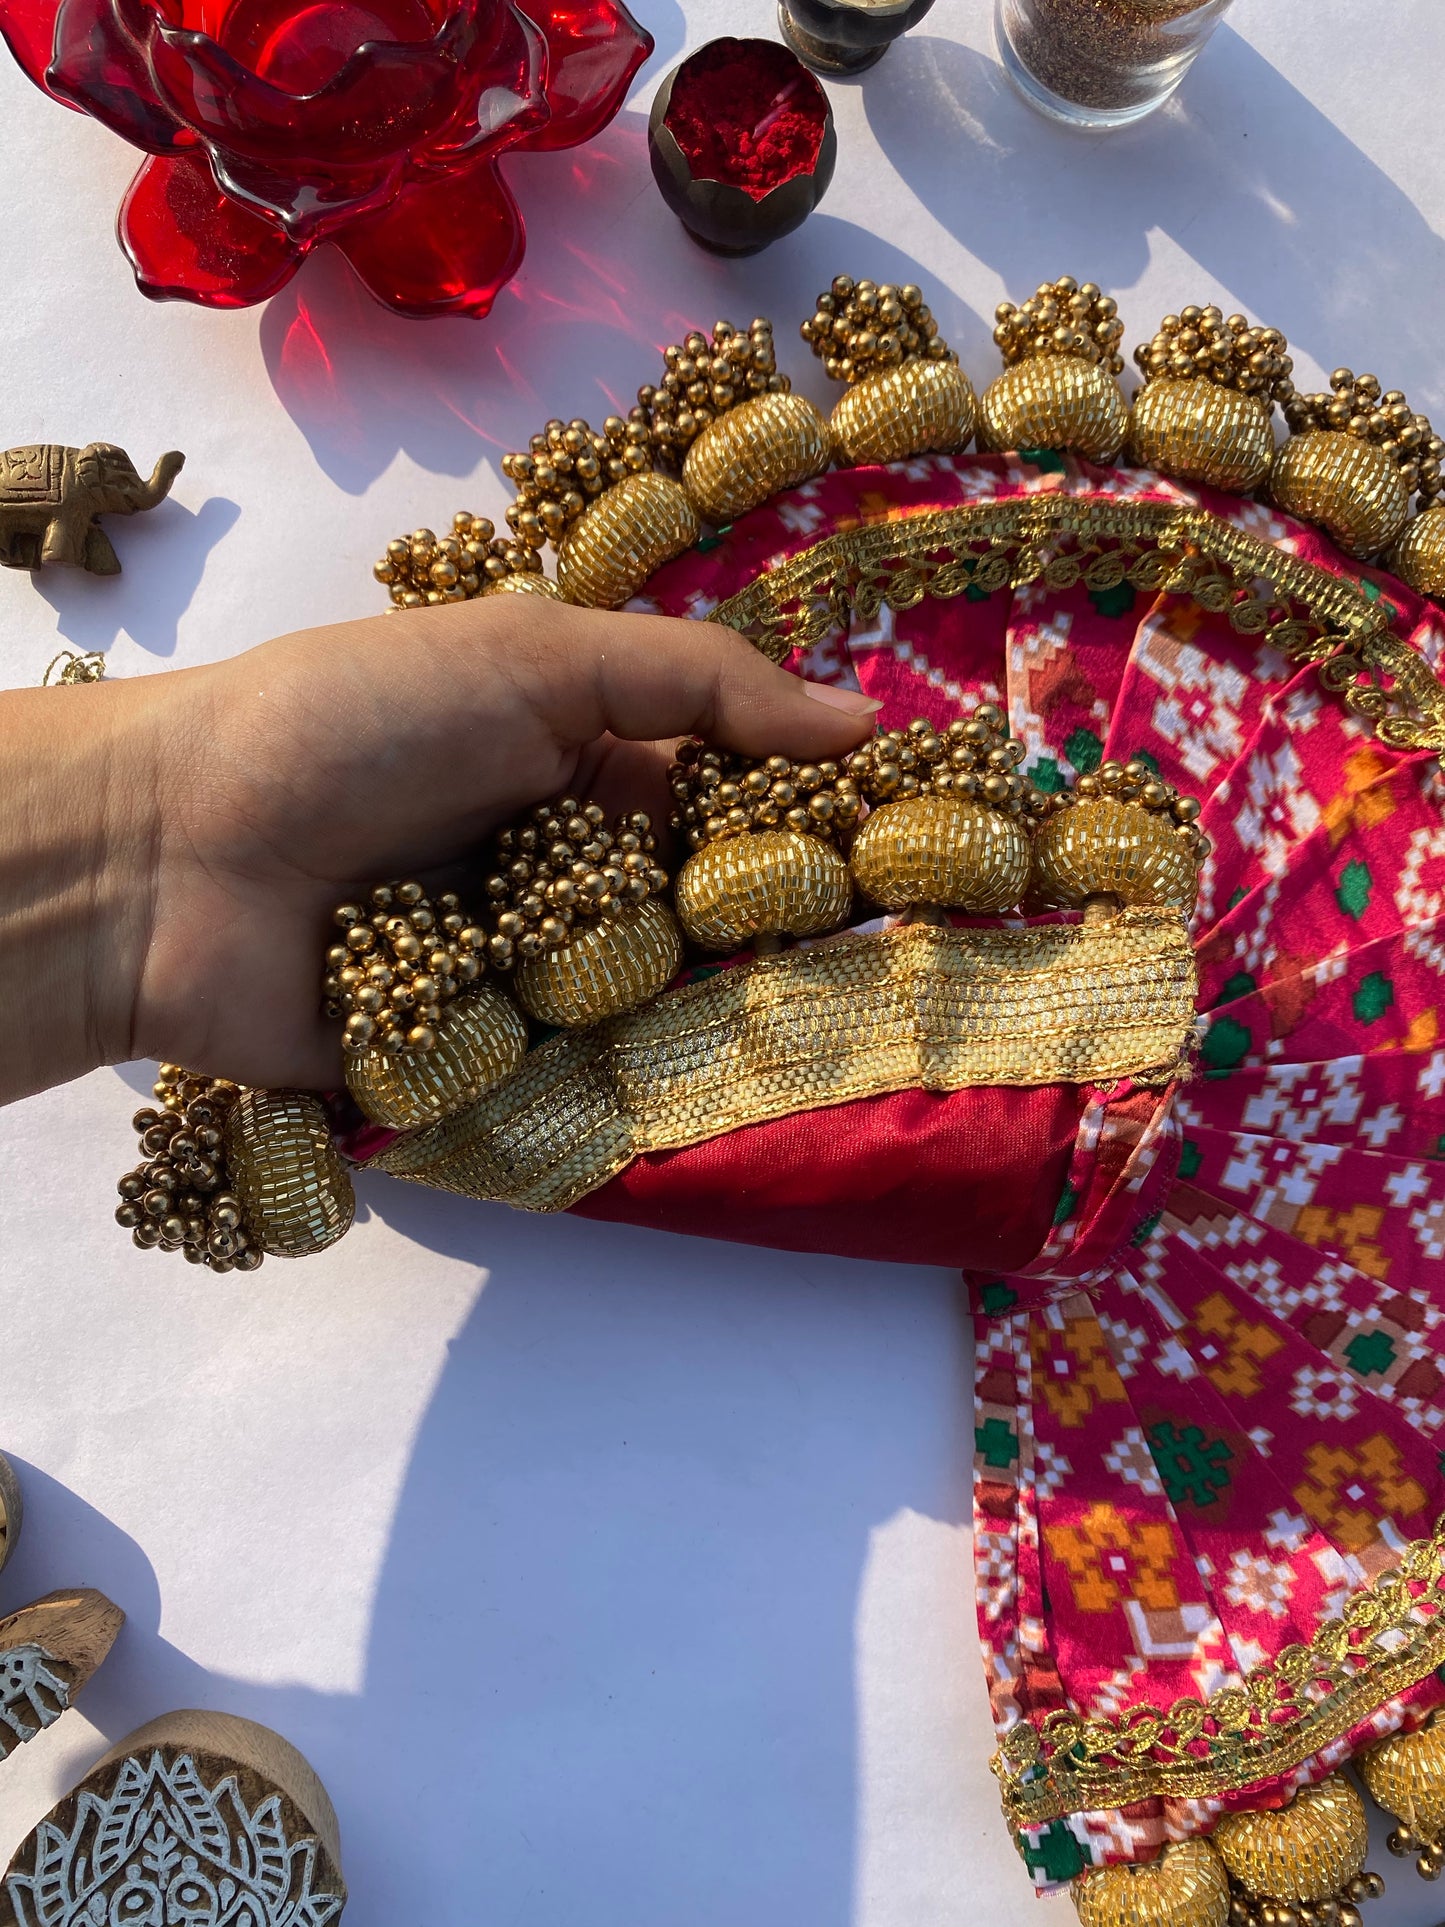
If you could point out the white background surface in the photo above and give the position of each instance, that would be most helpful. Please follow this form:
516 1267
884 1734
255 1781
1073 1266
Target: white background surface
608 1579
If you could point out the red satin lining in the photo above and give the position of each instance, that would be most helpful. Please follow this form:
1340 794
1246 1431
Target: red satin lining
971 1179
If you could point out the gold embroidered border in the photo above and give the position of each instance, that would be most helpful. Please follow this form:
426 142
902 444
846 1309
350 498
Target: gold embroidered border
1390 1637
1294 606
915 1007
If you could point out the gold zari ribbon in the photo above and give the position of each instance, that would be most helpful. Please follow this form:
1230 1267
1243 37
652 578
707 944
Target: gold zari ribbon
915 1007
1390 1636
1297 607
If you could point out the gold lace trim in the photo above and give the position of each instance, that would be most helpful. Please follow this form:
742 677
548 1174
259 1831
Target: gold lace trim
1296 607
1391 1636
915 1007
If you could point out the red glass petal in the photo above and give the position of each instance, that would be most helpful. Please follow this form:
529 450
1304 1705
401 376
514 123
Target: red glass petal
28 29
100 65
187 241
594 48
442 247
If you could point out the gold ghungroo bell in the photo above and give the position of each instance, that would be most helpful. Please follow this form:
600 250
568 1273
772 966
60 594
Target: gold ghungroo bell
1354 459
907 394
423 568
1210 383
1058 388
578 913
763 835
1121 836
1419 557
1405 1775
400 960
1185 1887
180 1197
294 1191
595 497
481 1037
946 825
1308 1852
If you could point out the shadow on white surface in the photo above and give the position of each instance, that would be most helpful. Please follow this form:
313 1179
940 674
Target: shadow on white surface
163 558
613 1635
1240 170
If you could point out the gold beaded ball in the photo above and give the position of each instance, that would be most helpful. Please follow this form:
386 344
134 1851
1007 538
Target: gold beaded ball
946 825
1185 1887
423 568
562 870
568 466
859 328
401 958
1405 1775
1309 1851
1062 317
704 378
762 836
718 794
1122 833
481 1037
1356 405
179 1197
1205 344
295 1193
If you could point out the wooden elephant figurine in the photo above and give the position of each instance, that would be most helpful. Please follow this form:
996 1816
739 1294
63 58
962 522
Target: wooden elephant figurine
50 497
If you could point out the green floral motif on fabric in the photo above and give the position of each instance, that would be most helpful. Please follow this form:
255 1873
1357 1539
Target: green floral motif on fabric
1066 1206
1084 750
1190 1158
1235 987
1370 1353
1047 776
995 1443
1055 1854
1048 459
1373 998
1147 1229
1225 1047
1117 601
1193 1466
1352 893
997 1298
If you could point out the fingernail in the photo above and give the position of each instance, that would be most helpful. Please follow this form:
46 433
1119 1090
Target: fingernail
851 701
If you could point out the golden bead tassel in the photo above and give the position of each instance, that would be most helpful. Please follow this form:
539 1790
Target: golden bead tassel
1055 401
295 1192
1303 1853
1199 431
1349 487
753 451
630 530
1419 558
918 408
769 883
481 1037
945 850
603 969
1100 846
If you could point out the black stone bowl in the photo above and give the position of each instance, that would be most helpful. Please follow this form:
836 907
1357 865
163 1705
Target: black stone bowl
727 219
839 37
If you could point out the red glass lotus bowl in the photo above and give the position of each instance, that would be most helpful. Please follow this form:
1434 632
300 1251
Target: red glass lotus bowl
375 125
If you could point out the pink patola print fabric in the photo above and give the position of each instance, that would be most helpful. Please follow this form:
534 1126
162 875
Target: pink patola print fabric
1211 1411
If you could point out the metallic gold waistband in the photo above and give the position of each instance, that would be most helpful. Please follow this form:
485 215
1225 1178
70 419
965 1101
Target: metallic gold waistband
915 1007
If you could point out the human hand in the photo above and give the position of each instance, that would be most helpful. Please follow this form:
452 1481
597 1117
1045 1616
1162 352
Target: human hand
184 838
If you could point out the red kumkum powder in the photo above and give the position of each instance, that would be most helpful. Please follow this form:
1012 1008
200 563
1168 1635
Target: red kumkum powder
747 112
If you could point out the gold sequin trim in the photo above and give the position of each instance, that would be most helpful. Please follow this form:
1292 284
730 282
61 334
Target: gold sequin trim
1390 1636
1060 540
916 1007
